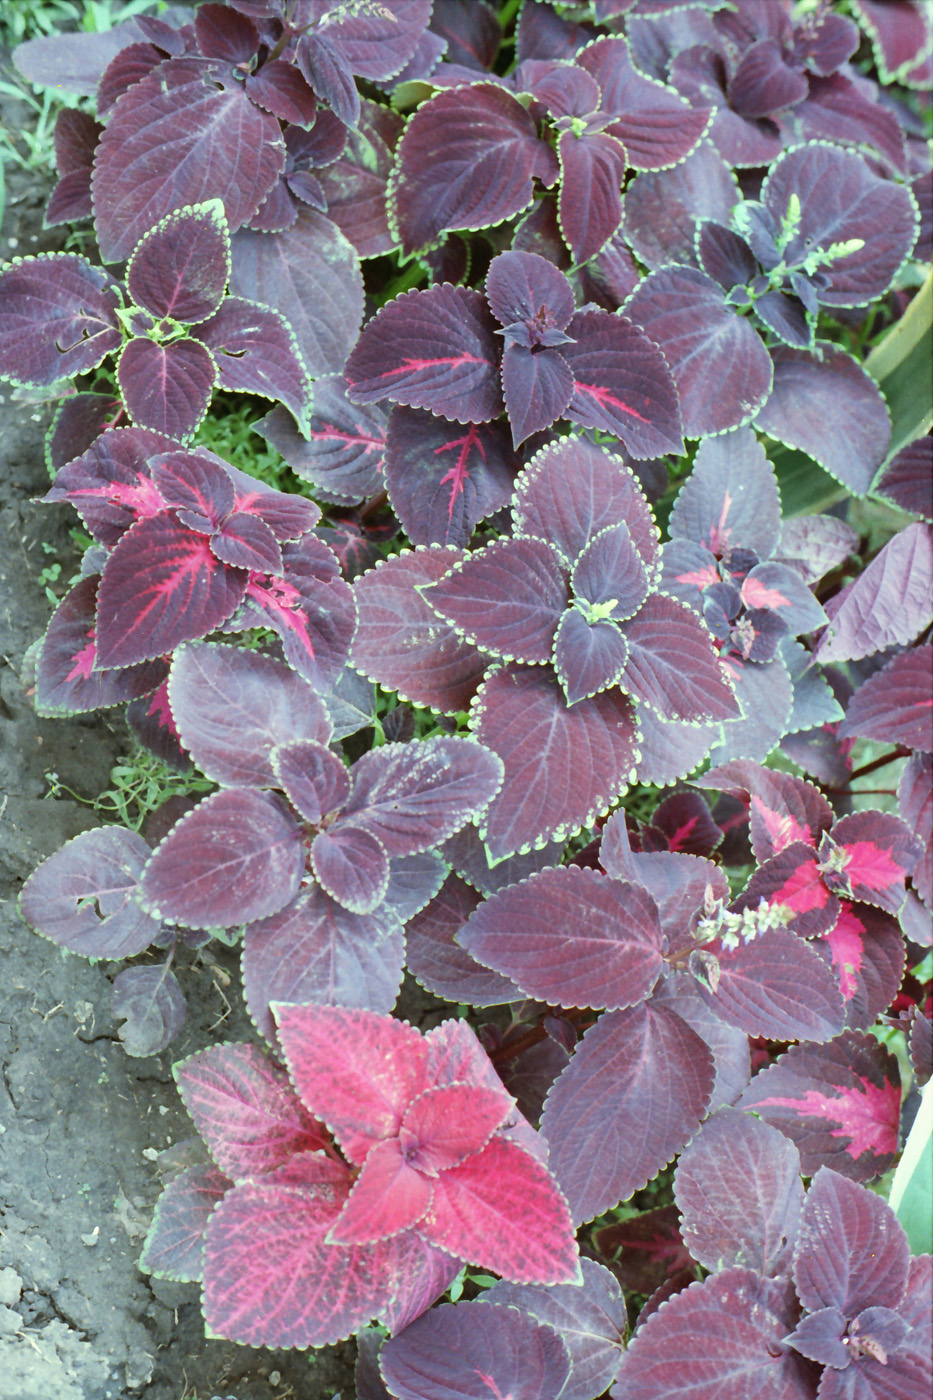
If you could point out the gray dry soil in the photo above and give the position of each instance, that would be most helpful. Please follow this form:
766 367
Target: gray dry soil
80 1121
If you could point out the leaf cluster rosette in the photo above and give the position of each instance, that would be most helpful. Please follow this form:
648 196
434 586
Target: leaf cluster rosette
435 1166
176 333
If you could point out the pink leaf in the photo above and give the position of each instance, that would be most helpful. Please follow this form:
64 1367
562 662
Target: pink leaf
389 1195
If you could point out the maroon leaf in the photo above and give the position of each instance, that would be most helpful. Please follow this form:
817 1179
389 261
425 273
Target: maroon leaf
166 387
174 1246
400 642
794 879
593 168
223 33
887 605
563 766
352 866
537 389
179 269
76 136
342 453
729 1045
777 986
907 480
197 485
622 384
570 937
730 500
161 586
315 779
376 44
437 961
67 682
852 1252
245 1109
783 809
739 1192
174 139
661 637
315 950
634 1092
720 366
152 1007
434 350
721 1339
83 896
840 1103
867 856
588 656
246 542
57 319
278 87
867 951
475 1350
895 705
354 185
236 857
330 75
78 421
661 209
915 805
310 274
255 351
478 149
646 1250
442 481
232 707
109 485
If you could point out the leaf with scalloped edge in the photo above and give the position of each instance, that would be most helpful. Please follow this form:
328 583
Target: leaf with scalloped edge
589 657
634 1092
174 1245
67 679
255 351
672 664
721 368
436 960
58 318
839 1102
907 480
793 878
730 500
245 1109
867 952
167 388
895 705
888 604
739 1192
110 484
852 1252
662 207
783 808
352 866
867 856
570 937
354 184
592 166
180 267
315 950
564 766
175 139
474 1350
342 452
443 480
402 644
722 1339
465 160
83 896
433 349
236 857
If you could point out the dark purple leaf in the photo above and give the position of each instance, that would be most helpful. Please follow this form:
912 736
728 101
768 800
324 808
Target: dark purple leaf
288 516
522 286
233 707
247 542
590 202
662 208
633 1093
175 139
783 808
150 721
413 796
572 490
729 1045
589 657
124 71
237 857
255 351
413 882
179 269
915 804
343 452
646 1250
739 1192
610 570
109 484
438 962
590 1320
842 199
907 480
776 986
570 937
471 31
658 128
537 388
766 696
866 947
149 1002
724 256
668 750
721 368
563 766
67 682
223 33
352 867
888 604
730 500
315 779
466 160
83 896
278 87
472 1351
661 638
354 185
317 951
622 384
57 318
76 136
74 62
161 586
506 598
79 420
376 44
852 1252
794 879
825 404
174 1246
310 274
700 75
722 1339
840 1103
196 485
763 82
434 349
166 387
443 480
400 642
328 72
895 705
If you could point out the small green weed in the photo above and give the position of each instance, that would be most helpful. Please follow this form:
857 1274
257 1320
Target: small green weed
140 785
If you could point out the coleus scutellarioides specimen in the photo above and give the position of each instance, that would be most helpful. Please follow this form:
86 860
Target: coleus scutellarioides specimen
569 607
435 1166
175 332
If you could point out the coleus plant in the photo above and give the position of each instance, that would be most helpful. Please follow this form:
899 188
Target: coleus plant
175 332
353 1196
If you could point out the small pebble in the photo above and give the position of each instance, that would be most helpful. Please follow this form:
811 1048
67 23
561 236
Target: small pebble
10 1321
11 1286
